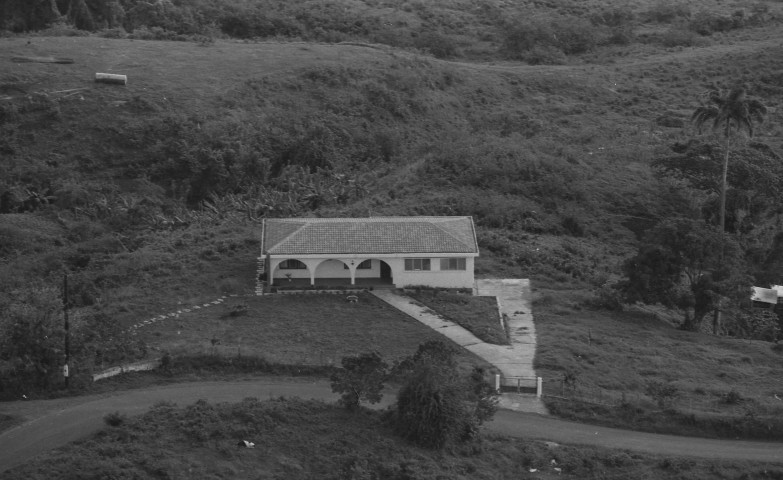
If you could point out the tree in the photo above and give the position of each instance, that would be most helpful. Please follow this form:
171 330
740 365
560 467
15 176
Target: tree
736 112
25 15
687 264
731 113
31 340
361 379
755 176
436 405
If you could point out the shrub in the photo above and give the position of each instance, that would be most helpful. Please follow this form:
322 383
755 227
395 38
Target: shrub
569 35
440 46
606 298
613 16
360 379
732 397
620 36
677 37
436 406
573 226
663 393
114 33
114 419
666 12
707 23
544 55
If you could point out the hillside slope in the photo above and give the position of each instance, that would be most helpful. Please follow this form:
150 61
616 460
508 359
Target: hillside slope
149 194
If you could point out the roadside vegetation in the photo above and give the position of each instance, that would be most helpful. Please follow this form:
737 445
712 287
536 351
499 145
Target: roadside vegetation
564 128
299 439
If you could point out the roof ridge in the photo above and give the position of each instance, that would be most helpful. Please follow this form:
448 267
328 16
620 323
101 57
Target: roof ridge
450 234
404 234
285 239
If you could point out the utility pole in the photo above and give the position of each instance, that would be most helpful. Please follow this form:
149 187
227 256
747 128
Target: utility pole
67 329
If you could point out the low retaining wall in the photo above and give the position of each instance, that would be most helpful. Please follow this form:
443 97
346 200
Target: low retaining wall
131 367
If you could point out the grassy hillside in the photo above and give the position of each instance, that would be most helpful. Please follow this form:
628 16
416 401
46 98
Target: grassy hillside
298 439
632 369
149 195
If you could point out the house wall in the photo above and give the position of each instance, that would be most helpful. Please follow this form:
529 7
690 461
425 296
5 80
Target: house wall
332 269
326 268
434 277
374 272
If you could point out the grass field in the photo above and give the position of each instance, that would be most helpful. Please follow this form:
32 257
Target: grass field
721 387
313 329
297 439
479 315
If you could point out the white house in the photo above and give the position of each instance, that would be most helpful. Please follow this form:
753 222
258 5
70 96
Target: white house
399 251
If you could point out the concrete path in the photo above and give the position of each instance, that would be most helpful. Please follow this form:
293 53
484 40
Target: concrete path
51 424
515 360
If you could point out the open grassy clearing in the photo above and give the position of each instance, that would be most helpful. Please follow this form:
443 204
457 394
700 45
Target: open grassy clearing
312 329
479 315
296 439
722 387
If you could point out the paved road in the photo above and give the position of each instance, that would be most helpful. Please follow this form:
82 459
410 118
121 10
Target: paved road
53 423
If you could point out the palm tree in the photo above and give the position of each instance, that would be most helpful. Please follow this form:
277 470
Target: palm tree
732 113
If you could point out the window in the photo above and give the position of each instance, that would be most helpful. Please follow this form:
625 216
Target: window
365 265
413 264
452 264
292 264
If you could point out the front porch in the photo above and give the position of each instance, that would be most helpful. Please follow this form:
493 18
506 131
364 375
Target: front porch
333 282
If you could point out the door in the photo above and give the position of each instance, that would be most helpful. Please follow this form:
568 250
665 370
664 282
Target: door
386 273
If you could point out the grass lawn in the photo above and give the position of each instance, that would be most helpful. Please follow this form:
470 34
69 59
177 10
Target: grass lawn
296 439
296 329
720 386
479 315
8 421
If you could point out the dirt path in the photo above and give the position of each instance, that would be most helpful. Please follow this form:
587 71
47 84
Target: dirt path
53 423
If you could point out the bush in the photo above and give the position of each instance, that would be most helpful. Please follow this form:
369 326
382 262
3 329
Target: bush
620 36
667 12
663 393
440 46
732 397
114 419
707 23
613 16
436 406
569 35
360 379
573 226
677 37
606 298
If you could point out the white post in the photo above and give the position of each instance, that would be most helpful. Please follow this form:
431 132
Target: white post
497 383
539 386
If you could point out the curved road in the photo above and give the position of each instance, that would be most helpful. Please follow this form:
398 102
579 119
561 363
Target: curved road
53 423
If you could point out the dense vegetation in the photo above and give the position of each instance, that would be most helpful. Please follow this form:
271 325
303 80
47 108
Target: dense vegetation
569 151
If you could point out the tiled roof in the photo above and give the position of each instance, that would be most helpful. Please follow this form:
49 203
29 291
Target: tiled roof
370 235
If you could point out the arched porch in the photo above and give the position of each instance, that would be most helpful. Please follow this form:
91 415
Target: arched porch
332 272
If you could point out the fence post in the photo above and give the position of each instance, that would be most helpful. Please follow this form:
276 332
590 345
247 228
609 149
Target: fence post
497 383
539 386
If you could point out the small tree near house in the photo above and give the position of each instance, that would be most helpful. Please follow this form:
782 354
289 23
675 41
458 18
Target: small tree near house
360 380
